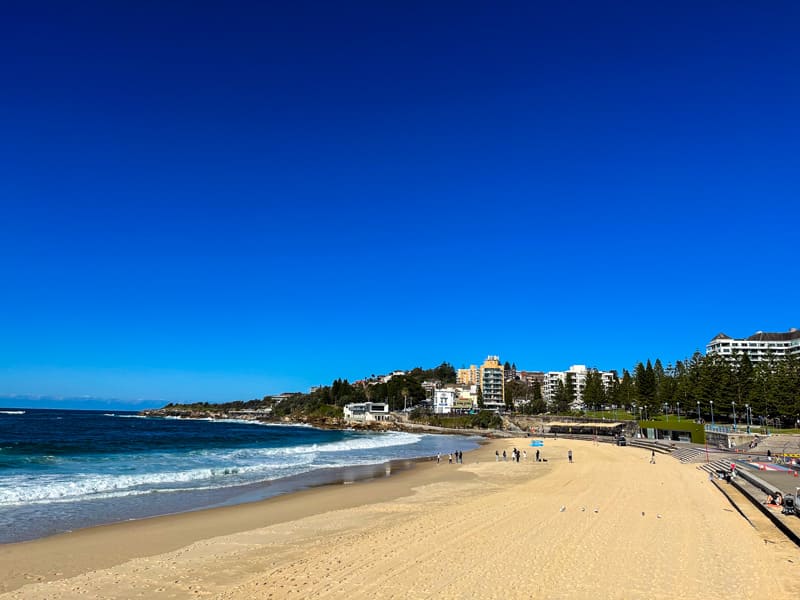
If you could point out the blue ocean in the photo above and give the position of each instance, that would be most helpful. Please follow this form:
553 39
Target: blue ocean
63 470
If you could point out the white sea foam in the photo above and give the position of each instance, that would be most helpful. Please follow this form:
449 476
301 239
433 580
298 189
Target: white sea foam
12 412
204 469
17 491
367 442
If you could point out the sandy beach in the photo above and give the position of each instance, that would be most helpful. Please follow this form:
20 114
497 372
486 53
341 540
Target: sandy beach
610 525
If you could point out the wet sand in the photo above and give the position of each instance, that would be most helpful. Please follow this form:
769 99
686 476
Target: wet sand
611 525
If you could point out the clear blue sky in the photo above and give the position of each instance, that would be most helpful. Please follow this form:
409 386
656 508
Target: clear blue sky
206 201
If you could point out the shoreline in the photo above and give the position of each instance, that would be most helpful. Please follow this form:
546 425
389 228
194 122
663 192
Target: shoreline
261 477
169 532
609 525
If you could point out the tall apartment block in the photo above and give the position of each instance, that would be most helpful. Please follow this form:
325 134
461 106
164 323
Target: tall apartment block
468 376
492 382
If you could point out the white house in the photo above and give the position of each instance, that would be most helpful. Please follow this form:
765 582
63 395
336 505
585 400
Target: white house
443 401
366 411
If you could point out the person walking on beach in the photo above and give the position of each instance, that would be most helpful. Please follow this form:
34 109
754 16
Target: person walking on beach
505 458
450 458
652 457
569 455
438 458
496 456
537 456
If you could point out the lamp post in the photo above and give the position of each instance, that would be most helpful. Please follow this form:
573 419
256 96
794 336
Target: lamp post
734 416
747 416
712 412
698 411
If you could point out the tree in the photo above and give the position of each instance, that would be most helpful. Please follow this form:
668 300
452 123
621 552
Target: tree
660 378
565 395
646 386
516 394
625 391
594 394
445 373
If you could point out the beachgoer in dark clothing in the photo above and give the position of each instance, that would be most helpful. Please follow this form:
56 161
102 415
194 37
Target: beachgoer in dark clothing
569 454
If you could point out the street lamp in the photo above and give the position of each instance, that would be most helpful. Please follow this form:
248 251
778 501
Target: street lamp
747 416
734 416
712 412
698 411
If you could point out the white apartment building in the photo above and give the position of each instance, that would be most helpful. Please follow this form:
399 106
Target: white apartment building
366 411
579 372
759 347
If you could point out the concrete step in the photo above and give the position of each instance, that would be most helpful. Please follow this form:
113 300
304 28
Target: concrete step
689 455
721 464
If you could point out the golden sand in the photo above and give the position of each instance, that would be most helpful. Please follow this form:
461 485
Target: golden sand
610 525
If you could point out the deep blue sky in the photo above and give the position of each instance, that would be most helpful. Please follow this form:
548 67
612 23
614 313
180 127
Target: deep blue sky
216 201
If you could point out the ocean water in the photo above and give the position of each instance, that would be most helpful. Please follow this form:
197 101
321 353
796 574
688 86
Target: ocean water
64 470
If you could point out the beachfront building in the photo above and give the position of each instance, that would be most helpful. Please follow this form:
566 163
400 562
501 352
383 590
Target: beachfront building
577 375
759 347
366 411
468 376
492 383
444 400
467 396
457 399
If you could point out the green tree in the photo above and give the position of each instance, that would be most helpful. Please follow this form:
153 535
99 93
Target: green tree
594 394
565 395
626 391
516 394
646 386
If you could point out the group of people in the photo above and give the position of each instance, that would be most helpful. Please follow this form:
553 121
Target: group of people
516 455
458 456
777 499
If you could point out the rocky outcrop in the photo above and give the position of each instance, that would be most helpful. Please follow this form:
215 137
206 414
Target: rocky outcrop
320 422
